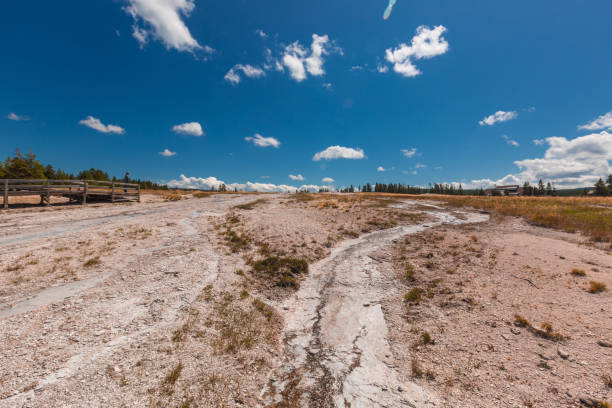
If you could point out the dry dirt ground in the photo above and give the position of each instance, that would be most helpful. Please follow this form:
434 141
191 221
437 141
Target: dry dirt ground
297 301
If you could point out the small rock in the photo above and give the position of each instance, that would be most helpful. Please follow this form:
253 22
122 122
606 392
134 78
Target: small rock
505 337
562 353
545 357
604 343
400 389
514 330
366 304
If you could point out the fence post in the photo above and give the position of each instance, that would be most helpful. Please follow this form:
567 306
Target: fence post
47 193
113 193
138 192
6 193
85 192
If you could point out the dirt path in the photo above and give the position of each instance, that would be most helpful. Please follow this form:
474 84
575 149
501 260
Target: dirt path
336 352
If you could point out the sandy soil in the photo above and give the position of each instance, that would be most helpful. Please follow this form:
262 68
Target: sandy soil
164 304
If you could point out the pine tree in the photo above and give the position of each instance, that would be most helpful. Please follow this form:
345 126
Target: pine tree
549 189
600 188
541 190
609 183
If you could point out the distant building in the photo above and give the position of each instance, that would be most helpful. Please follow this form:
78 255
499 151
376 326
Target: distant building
512 190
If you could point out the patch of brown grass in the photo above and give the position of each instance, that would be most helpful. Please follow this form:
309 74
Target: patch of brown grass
578 272
589 215
596 287
545 331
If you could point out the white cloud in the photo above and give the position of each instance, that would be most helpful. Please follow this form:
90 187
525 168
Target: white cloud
167 153
427 43
261 33
299 62
248 70
259 140
531 109
571 163
299 177
14 116
499 116
383 69
212 182
326 85
510 141
420 166
604 122
380 168
327 180
409 152
162 20
339 152
190 128
538 142
96 124
356 68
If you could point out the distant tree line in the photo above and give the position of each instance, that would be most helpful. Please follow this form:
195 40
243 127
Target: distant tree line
540 189
27 166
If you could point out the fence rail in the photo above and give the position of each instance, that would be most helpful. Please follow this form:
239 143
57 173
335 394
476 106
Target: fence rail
74 190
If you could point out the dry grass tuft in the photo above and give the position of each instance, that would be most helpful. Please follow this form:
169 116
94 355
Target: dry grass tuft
281 272
174 375
414 296
596 287
545 331
578 272
251 205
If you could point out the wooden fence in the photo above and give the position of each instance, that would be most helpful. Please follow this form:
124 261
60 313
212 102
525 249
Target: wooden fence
74 190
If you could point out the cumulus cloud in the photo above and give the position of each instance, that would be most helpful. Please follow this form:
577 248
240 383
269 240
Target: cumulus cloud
327 180
167 153
604 122
510 141
381 168
409 152
420 166
538 142
250 71
163 21
15 117
300 62
383 69
339 152
259 140
571 163
190 128
96 124
261 33
499 116
299 177
212 182
427 43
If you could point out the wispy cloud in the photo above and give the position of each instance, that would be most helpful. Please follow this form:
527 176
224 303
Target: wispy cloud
327 180
538 142
339 152
420 166
410 153
96 124
259 140
427 43
510 141
499 116
167 153
250 71
163 20
15 117
190 128
261 33
298 177
601 123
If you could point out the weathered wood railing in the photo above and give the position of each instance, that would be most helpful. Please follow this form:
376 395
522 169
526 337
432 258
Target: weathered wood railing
74 190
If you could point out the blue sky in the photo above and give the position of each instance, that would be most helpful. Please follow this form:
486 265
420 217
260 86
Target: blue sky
409 94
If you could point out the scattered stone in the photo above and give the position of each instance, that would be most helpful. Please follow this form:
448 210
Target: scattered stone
514 330
562 353
505 337
545 357
400 389
604 343
366 304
